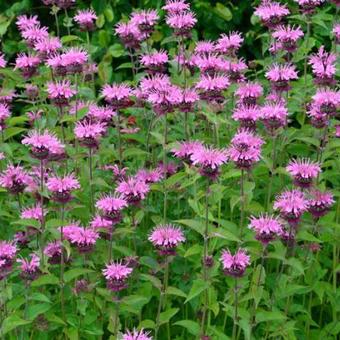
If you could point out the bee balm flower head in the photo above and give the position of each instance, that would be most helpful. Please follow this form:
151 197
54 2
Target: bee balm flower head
303 172
235 265
61 187
116 274
266 227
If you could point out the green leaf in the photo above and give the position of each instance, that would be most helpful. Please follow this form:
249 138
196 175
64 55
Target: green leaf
116 50
69 38
12 322
223 12
262 316
39 297
135 303
175 291
225 234
167 315
36 310
304 235
147 324
48 279
191 326
193 224
154 280
197 288
73 273
12 131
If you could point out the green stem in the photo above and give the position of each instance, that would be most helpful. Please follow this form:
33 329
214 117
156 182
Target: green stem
271 173
243 201
306 54
165 142
91 180
120 150
235 310
62 264
42 221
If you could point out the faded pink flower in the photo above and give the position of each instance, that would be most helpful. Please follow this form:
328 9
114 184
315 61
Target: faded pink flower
249 92
176 6
53 251
34 213
15 179
30 268
182 23
47 46
133 190
24 22
111 206
61 187
319 203
34 34
271 13
235 265
280 76
2 61
117 95
8 252
145 20
266 227
136 335
60 92
184 150
211 87
247 115
155 61
83 238
287 37
116 274
89 133
28 64
274 115
86 19
229 43
303 171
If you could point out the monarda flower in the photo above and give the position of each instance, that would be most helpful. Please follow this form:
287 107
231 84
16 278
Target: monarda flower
31 91
53 252
184 150
291 205
327 101
166 238
211 87
287 37
102 114
319 203
336 33
271 13
56 63
34 34
116 275
83 238
5 113
309 6
209 161
86 19
234 70
280 76
111 206
274 115
247 115
28 64
61 187
24 22
229 44
2 61
182 23
249 92
89 133
303 171
188 99
266 227
210 64
318 118
60 92
133 190
323 67
235 265
204 47
74 59
136 335
47 46
176 6
6 96
155 61
117 95
145 20
43 144
7 254
33 213
30 268
149 176
245 149
129 34
100 223
15 179
337 131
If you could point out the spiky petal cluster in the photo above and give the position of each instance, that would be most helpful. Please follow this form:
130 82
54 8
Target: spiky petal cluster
245 149
89 133
136 335
266 227
211 87
61 187
30 268
303 171
86 19
287 37
229 43
249 92
309 6
7 254
274 115
33 213
235 265
336 33
155 61
83 238
133 190
53 252
24 22
326 101
247 115
117 95
280 76
176 6
271 13
291 205
5 113
116 274
319 202
15 179
27 63
209 160
181 23
166 238
60 92
111 206
184 150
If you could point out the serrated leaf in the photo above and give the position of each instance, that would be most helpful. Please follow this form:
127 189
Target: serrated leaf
193 224
48 279
12 322
191 326
197 288
73 273
265 316
175 291
164 317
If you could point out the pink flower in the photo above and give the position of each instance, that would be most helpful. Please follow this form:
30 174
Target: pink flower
15 179
5 113
30 268
176 6
291 205
188 99
98 222
7 254
86 19
32 92
319 119
271 13
133 190
6 96
111 206
61 187
288 36
336 33
210 63
234 70
308 6
184 150
154 82
245 149
280 75
33 34
27 64
235 265
249 92
89 133
117 95
182 23
145 20
136 335
34 213
211 87
323 67
47 46
116 274
83 238
74 59
247 115
60 92
101 113
319 203
24 22
209 160
155 61
130 34
229 43
53 251
149 176
337 131
266 227
274 116
303 172
2 61
327 101
43 144
204 47
166 238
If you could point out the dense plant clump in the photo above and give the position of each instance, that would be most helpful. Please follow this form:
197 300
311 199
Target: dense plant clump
168 186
